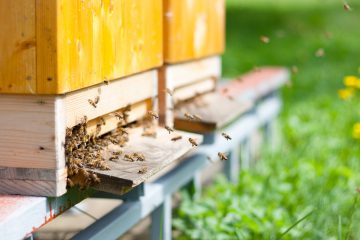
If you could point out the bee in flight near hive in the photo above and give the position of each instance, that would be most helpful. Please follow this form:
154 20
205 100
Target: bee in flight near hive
193 142
169 91
189 116
153 114
226 136
174 139
222 156
169 129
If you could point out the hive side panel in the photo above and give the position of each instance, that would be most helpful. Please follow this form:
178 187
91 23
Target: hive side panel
28 136
17 46
193 29
46 39
106 40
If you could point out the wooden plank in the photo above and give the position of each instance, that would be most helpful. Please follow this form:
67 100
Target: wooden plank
33 187
256 84
193 29
112 97
17 46
189 72
159 152
190 91
106 40
215 111
31 133
138 111
32 174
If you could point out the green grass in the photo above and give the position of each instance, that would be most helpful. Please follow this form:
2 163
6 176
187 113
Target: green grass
316 171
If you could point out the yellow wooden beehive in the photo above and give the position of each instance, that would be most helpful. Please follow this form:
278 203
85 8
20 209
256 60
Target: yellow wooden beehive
193 29
62 60
194 39
58 46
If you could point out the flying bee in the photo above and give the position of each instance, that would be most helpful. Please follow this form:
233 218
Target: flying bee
97 99
226 136
153 114
222 156
139 156
196 117
347 7
142 170
168 91
193 142
264 39
189 116
174 139
169 129
92 103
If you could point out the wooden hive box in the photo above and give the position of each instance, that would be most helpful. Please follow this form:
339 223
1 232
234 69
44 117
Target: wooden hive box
62 60
194 39
58 46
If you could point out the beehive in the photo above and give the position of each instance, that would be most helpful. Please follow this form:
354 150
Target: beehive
58 46
56 58
194 39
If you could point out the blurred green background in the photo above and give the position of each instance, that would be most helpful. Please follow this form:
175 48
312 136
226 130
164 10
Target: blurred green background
307 188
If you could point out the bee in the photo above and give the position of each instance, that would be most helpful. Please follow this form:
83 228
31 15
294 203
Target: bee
41 148
347 7
103 166
95 178
174 139
196 117
320 52
102 121
153 114
98 129
113 158
92 103
106 82
169 91
129 157
294 69
169 129
222 156
96 100
118 115
226 136
84 173
117 153
264 39
41 102
189 116
142 170
68 132
193 142
139 156
69 182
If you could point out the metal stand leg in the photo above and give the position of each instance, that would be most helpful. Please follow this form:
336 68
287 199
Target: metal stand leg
161 221
194 186
245 151
232 166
